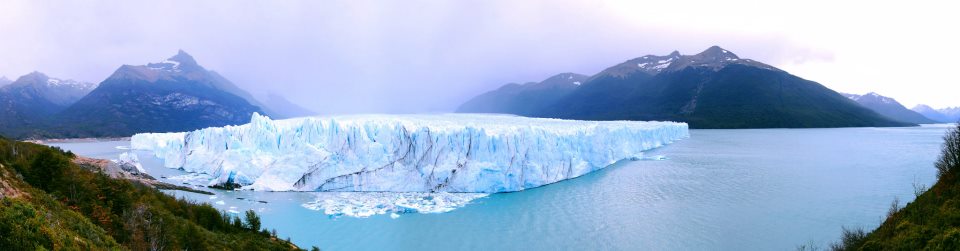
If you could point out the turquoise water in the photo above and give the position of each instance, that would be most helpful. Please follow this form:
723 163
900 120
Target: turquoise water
767 189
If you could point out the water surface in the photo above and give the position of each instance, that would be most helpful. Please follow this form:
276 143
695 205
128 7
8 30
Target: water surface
764 189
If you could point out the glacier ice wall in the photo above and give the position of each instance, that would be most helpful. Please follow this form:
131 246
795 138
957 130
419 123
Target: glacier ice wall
405 153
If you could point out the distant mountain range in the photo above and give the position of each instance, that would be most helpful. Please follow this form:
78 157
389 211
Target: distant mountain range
889 107
712 89
5 81
176 94
283 108
525 99
27 103
944 115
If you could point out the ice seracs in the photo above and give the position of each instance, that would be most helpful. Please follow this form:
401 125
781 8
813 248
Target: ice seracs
405 153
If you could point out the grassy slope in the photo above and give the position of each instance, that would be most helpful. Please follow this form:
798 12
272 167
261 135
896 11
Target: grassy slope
931 222
47 202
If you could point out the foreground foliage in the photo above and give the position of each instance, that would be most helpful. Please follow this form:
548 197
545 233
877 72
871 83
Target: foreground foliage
930 222
47 202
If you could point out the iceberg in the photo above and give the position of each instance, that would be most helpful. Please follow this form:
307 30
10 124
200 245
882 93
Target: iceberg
457 153
366 204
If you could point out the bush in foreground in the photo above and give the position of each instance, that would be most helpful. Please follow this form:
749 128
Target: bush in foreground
930 222
47 202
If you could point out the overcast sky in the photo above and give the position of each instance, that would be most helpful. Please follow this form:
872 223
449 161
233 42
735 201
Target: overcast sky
430 56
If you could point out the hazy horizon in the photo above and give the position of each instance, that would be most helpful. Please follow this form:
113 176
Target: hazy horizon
426 56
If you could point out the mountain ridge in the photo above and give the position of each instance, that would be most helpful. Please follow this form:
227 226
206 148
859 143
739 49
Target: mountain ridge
176 94
889 107
711 89
943 115
173 95
524 99
26 104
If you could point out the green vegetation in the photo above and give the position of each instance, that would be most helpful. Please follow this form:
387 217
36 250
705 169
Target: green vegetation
930 222
49 203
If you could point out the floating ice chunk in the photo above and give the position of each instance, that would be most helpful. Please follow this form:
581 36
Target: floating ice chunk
130 159
655 157
366 204
195 179
405 153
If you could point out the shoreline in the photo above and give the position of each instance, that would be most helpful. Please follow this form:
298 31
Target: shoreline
74 140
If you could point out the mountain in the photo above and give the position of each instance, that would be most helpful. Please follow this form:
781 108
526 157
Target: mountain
889 107
524 99
930 113
945 115
712 89
174 95
952 113
5 81
57 91
26 103
283 108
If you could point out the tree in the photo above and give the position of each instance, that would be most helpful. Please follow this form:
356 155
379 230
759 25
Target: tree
949 161
253 220
45 169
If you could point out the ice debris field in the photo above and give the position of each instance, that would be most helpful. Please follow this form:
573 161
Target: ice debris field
464 153
366 204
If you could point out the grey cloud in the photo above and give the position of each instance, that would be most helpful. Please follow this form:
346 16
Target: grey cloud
349 56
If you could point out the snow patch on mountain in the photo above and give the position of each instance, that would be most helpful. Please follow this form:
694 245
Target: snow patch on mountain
714 58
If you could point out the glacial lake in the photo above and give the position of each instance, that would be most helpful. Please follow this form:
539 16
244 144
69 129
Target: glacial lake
764 189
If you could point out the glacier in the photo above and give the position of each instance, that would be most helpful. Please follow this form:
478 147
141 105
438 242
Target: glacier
457 153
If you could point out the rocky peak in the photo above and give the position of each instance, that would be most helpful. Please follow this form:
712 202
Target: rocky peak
33 77
714 58
922 108
5 81
715 52
183 58
567 78
874 97
177 63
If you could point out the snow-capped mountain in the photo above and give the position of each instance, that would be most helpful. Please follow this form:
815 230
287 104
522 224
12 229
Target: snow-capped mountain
929 112
889 107
176 94
29 101
63 92
711 89
714 58
524 99
952 113
944 115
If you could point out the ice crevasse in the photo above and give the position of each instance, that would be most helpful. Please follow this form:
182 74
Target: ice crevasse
479 153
